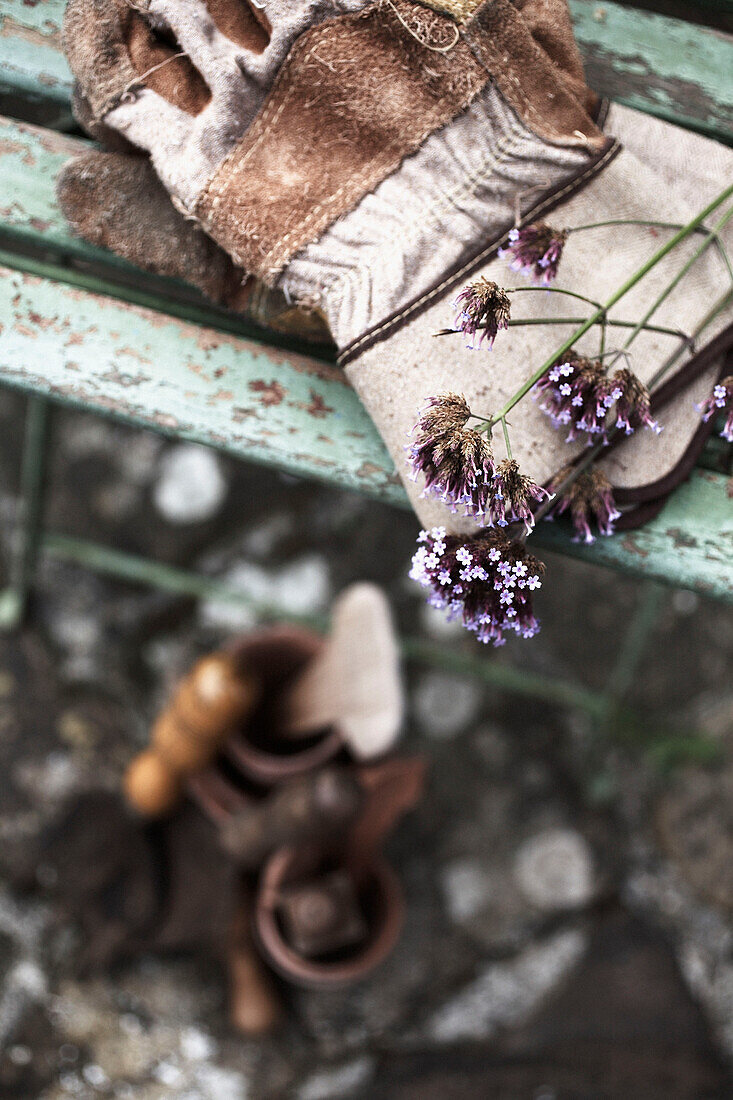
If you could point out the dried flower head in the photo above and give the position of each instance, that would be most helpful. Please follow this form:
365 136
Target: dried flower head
570 391
482 307
455 461
579 394
536 250
720 398
486 580
512 495
632 401
589 498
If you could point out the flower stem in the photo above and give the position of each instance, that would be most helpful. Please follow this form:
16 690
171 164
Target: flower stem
625 287
552 290
709 317
576 321
657 225
710 237
506 438
612 322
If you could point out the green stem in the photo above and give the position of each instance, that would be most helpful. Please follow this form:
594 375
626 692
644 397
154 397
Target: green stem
520 321
506 438
709 317
552 290
657 225
678 278
625 287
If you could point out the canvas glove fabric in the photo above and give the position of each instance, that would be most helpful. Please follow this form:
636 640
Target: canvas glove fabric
367 158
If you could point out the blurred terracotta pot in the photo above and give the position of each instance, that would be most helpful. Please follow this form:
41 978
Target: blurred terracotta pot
309 876
255 756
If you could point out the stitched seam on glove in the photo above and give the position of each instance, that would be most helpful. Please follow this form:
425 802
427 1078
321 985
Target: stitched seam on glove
506 147
553 199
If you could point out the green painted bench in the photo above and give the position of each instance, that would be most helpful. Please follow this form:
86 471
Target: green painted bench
81 327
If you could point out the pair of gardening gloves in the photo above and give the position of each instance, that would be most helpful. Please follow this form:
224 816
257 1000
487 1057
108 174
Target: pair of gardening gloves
365 160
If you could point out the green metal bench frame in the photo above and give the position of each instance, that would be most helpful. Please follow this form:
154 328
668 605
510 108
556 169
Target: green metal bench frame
151 352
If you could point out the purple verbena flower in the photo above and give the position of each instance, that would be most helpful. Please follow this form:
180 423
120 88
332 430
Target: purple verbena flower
510 500
579 395
589 498
536 250
487 580
632 402
570 390
456 462
720 398
482 307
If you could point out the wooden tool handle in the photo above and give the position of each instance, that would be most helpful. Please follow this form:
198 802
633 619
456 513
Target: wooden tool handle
211 699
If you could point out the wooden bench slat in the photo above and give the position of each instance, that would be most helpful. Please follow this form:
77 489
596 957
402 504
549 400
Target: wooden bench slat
286 411
156 371
664 66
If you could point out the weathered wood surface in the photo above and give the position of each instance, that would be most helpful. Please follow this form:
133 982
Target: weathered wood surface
286 411
661 65
31 225
247 398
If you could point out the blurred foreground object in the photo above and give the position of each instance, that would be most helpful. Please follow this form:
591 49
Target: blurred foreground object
254 826
349 685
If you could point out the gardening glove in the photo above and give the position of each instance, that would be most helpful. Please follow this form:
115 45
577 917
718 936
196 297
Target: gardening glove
374 200
113 199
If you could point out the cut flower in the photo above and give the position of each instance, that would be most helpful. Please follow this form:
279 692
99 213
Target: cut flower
455 461
578 394
720 398
483 307
589 499
536 250
488 581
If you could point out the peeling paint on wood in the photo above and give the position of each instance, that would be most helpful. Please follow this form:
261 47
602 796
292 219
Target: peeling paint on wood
280 408
150 369
688 545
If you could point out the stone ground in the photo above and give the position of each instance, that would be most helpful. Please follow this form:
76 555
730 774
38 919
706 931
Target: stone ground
570 927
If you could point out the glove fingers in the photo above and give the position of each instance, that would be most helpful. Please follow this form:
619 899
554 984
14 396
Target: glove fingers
199 36
94 128
113 50
116 201
549 23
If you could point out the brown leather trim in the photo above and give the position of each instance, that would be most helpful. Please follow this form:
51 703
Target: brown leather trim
464 268
356 95
553 101
641 514
722 344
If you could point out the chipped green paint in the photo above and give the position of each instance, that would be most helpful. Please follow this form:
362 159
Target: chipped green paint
31 60
30 159
286 410
289 412
660 65
688 545
153 370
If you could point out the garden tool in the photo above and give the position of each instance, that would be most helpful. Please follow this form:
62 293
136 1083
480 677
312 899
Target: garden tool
374 207
279 701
